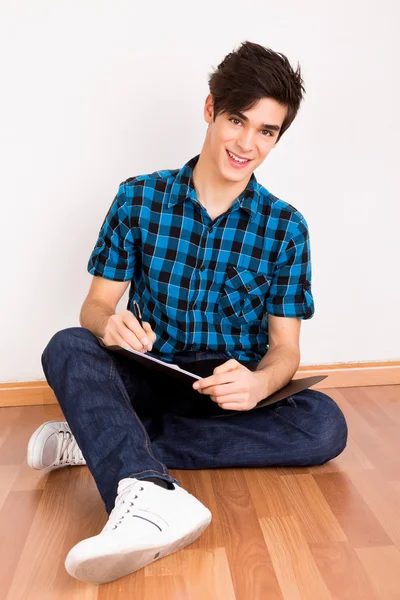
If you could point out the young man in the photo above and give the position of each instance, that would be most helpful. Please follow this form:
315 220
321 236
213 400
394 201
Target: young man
221 270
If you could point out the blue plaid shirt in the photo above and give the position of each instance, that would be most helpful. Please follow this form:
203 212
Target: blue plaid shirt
203 284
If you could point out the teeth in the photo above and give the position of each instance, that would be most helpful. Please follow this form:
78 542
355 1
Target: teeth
239 160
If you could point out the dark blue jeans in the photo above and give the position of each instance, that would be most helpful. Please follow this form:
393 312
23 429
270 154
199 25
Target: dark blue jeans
130 421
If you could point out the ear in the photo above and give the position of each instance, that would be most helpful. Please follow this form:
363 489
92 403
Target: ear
209 109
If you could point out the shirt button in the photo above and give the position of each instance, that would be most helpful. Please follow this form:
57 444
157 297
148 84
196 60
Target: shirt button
193 345
210 229
194 305
202 268
248 287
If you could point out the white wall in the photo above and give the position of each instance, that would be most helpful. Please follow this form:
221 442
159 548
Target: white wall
94 92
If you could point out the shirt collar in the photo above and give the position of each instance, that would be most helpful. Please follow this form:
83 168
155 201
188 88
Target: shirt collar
183 188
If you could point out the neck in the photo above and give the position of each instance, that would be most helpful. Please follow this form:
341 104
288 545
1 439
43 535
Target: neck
214 191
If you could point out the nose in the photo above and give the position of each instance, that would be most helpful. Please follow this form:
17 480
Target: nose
245 141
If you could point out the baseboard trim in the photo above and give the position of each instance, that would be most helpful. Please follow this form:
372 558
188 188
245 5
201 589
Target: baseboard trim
31 393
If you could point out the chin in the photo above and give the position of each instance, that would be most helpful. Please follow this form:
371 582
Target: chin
227 173
236 177
239 177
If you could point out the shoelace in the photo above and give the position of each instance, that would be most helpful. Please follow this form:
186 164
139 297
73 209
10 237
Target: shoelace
125 489
69 451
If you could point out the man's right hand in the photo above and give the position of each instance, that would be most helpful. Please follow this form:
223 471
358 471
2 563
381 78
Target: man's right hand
123 329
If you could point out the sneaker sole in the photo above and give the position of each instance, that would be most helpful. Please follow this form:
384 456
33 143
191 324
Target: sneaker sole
106 568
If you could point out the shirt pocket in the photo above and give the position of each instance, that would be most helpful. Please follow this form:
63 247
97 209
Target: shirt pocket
243 295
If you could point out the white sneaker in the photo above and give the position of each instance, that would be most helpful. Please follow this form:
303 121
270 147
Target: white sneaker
52 446
147 522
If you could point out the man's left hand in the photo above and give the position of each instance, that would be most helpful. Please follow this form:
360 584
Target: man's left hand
233 386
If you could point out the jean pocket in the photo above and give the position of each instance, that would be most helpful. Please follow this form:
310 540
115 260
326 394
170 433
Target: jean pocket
243 295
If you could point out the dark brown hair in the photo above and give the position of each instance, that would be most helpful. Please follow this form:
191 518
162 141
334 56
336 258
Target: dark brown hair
253 72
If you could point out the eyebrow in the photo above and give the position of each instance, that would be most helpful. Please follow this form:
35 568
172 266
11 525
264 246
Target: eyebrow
265 126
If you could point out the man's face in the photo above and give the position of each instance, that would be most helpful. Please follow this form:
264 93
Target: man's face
250 135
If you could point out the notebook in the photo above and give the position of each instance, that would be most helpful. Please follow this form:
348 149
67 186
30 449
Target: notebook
206 368
147 360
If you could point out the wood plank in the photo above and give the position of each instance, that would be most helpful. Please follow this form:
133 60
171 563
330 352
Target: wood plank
355 517
371 439
69 511
9 417
383 568
360 399
209 569
342 571
8 473
311 509
250 563
267 492
16 518
23 423
293 562
383 500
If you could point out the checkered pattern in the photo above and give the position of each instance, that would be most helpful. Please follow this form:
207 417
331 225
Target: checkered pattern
202 284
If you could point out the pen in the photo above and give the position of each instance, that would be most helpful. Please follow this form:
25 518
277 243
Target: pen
138 314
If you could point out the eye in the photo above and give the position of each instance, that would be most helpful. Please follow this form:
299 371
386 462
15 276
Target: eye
265 132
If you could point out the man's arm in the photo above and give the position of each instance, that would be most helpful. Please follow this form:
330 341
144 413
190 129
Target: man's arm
282 360
100 304
234 387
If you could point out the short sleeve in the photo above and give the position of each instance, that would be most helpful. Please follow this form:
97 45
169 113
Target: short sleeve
113 256
290 293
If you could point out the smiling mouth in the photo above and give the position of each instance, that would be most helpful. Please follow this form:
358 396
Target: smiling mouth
236 159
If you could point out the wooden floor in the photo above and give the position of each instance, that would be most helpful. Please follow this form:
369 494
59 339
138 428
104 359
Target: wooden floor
328 532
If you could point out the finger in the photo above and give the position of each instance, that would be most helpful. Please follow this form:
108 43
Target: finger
221 390
151 336
229 404
232 406
230 365
147 327
233 399
125 337
132 325
214 380
132 344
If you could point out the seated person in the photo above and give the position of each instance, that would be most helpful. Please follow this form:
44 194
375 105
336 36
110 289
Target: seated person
221 270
